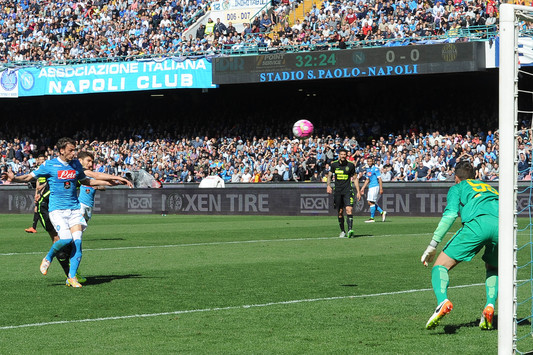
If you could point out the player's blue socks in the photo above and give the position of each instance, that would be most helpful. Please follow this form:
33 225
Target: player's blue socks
491 286
56 247
380 210
75 257
440 281
372 211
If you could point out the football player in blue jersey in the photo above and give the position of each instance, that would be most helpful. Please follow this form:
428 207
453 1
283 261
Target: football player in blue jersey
86 192
375 189
62 175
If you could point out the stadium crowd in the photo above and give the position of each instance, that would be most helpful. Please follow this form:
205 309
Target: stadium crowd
61 30
34 30
336 23
413 156
187 139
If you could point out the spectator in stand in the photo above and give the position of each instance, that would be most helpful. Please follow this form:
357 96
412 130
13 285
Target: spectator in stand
209 27
220 28
494 173
422 173
387 175
276 177
231 28
201 32
265 24
523 166
246 176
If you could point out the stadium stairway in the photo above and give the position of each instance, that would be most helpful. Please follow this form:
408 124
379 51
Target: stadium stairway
298 13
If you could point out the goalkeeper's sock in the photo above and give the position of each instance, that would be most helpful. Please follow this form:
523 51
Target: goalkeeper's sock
380 210
372 211
440 281
35 220
341 223
491 286
350 221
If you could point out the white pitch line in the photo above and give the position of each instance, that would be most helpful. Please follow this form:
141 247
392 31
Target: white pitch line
203 244
215 309
182 245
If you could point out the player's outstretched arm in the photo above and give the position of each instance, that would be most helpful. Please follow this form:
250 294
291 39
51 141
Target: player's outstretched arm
10 176
443 228
96 182
108 177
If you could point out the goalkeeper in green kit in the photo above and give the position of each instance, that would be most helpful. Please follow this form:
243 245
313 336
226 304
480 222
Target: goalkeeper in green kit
477 203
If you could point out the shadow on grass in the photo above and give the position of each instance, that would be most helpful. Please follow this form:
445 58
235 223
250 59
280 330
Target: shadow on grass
349 285
523 321
101 279
453 328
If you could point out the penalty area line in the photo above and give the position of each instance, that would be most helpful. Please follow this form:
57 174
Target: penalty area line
216 309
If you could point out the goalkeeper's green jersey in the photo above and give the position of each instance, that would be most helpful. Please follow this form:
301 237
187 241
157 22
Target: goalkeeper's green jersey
469 198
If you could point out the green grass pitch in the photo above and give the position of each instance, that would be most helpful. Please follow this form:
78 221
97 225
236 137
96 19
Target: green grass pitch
236 285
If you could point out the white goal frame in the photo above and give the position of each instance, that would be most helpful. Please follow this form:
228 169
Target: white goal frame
508 185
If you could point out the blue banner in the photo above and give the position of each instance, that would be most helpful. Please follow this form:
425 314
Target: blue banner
140 75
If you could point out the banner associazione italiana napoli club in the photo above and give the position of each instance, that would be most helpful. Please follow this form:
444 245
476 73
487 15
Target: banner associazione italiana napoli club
139 75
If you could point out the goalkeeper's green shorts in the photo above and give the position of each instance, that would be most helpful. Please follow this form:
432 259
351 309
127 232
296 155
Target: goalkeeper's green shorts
472 237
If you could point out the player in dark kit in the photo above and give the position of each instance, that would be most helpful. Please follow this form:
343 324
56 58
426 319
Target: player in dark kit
343 197
39 185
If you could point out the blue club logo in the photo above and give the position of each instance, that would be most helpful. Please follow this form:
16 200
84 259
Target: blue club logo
26 80
8 80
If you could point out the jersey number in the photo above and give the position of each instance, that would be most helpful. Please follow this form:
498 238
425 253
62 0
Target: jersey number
482 187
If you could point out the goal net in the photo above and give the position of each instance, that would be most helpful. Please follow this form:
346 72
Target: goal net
515 304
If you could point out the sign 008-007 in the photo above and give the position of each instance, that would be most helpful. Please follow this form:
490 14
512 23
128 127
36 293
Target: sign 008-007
352 63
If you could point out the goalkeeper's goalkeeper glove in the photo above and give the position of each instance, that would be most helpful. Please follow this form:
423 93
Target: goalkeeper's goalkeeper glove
430 253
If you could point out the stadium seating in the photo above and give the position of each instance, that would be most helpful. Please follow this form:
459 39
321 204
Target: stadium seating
64 31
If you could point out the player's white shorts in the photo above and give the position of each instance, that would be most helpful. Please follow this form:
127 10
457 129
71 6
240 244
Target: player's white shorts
63 220
86 212
373 194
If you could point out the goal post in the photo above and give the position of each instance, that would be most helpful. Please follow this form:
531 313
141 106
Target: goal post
508 73
510 17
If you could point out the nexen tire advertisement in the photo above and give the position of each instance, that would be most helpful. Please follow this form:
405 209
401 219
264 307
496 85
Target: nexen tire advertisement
406 199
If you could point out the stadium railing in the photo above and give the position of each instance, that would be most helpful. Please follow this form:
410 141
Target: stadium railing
258 13
194 17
